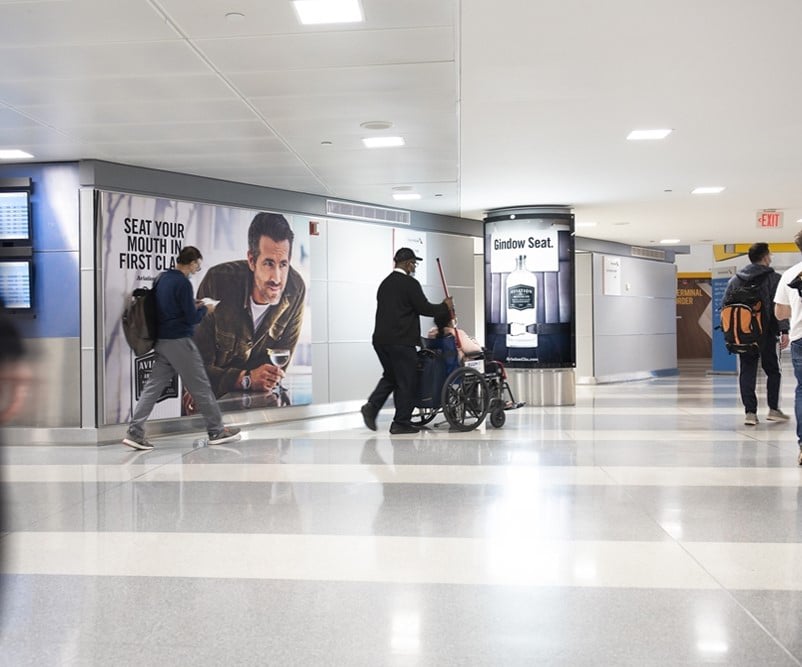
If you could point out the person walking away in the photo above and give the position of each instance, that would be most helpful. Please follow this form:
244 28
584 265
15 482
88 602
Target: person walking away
177 313
760 273
399 304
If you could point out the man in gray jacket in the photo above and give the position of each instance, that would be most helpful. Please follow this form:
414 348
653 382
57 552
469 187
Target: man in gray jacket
760 273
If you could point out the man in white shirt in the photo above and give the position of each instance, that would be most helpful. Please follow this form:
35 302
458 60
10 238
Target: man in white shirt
788 305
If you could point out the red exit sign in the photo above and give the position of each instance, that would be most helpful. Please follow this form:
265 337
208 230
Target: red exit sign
769 219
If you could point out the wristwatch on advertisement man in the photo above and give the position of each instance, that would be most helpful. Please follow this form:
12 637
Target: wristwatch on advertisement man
246 381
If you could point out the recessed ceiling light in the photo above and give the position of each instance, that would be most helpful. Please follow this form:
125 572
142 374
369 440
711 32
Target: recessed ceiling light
620 224
800 220
405 196
669 241
235 17
316 12
383 142
326 143
14 154
440 194
645 135
708 190
376 125
585 224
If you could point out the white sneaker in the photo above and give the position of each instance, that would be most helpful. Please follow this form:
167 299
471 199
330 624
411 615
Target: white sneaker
777 416
751 419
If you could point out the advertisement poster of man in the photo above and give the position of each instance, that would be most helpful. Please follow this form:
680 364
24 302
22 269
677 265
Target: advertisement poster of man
141 237
529 292
251 337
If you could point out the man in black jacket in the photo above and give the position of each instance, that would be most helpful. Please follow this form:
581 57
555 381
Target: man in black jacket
399 304
760 273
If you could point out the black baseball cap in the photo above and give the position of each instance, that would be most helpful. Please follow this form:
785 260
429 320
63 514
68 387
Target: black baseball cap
405 254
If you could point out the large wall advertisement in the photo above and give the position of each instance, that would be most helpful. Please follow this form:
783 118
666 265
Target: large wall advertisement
529 291
141 236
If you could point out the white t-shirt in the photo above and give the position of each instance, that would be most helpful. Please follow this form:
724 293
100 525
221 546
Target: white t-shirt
788 296
258 311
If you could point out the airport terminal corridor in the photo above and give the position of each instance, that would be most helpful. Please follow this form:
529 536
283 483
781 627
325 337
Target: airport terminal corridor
646 525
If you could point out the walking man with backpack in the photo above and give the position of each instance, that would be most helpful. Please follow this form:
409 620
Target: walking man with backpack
755 285
177 313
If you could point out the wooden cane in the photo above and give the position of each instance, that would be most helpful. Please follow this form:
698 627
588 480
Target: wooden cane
451 312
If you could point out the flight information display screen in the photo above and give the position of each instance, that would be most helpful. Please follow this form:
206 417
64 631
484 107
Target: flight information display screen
15 220
15 284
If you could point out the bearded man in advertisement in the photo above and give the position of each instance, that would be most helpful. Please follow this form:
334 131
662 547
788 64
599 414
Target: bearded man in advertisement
259 316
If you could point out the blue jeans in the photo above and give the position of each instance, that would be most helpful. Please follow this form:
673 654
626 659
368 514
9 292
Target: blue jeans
796 360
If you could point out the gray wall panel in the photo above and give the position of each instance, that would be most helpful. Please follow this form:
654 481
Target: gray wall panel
359 252
354 371
456 258
320 372
352 311
319 305
635 332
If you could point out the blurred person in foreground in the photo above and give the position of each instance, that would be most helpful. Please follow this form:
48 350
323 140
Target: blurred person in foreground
15 380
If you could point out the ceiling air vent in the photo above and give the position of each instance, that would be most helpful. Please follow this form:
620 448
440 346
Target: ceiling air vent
648 253
344 209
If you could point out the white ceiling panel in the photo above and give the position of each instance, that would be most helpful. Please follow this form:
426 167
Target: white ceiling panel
77 21
242 131
330 50
366 105
421 131
379 79
206 18
102 112
155 88
228 150
98 60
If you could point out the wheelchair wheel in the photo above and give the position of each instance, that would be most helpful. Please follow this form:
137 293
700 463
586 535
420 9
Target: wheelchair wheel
422 416
465 399
497 417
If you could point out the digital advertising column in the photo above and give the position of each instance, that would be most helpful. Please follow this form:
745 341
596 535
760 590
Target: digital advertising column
529 287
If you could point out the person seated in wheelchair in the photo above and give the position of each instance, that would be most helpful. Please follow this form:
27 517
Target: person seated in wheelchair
442 337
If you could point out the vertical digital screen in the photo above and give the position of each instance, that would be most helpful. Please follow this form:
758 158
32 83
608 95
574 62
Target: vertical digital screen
529 291
14 216
15 284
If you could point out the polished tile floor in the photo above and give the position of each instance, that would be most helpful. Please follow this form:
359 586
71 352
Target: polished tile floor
644 526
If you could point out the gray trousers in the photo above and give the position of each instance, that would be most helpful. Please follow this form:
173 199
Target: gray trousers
179 355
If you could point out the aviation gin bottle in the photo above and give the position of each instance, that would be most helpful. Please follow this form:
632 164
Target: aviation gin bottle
521 302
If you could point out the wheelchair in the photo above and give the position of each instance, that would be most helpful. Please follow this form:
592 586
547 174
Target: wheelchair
466 393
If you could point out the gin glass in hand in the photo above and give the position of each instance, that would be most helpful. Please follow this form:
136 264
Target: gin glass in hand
279 358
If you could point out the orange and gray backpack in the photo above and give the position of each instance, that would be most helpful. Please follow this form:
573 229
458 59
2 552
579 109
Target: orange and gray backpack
744 317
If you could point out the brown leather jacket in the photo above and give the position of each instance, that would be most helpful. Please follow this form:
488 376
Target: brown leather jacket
226 338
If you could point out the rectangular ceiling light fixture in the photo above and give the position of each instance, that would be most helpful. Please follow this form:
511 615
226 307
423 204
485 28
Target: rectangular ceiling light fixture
317 12
383 142
712 190
14 154
406 196
645 135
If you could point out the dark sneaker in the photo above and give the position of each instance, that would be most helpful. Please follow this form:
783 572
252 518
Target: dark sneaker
369 416
799 458
397 428
777 416
228 434
137 441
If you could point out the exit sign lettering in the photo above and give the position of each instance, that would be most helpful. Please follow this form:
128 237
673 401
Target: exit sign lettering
769 219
